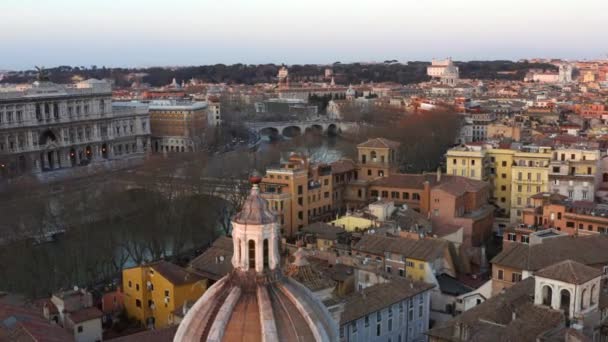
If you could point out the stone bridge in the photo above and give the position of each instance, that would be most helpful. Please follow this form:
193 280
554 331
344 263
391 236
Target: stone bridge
296 128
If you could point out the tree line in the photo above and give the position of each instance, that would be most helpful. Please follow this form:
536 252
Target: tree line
347 73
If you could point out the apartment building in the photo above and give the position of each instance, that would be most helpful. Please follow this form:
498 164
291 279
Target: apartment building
515 174
299 193
416 259
501 162
154 291
486 163
396 310
178 126
574 173
552 210
468 161
529 176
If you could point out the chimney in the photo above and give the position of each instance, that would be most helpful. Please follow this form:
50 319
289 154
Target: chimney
438 174
484 260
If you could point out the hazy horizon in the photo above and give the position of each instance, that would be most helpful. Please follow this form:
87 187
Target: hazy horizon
139 33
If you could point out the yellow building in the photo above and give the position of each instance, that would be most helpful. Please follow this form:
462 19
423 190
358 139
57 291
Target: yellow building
467 161
321 236
417 269
154 291
377 157
501 161
417 259
488 164
507 170
529 176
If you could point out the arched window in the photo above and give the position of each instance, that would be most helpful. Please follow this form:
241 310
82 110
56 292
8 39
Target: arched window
251 254
266 254
372 155
73 157
584 299
88 152
547 295
593 294
564 302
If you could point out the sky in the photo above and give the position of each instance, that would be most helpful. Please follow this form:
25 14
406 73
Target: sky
142 33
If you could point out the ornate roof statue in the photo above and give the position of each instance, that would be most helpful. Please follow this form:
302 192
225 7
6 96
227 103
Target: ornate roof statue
43 75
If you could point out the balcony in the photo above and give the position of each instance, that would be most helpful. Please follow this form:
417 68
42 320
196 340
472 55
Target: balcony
529 181
275 196
312 185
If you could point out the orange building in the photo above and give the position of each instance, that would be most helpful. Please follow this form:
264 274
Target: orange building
177 126
571 217
591 110
299 193
447 200
377 158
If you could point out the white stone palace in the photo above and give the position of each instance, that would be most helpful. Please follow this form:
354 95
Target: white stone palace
444 70
48 128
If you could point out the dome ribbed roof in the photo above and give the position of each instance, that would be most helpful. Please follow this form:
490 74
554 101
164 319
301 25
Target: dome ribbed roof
255 210
246 307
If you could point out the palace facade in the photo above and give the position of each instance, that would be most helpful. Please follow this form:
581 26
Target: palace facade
49 128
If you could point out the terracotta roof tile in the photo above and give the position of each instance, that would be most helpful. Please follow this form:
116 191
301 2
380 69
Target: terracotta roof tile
175 274
587 250
379 143
85 314
22 324
157 335
215 262
343 165
511 315
570 272
380 296
425 249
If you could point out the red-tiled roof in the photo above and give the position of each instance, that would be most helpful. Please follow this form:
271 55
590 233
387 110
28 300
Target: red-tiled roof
157 335
85 314
175 274
570 272
379 143
22 324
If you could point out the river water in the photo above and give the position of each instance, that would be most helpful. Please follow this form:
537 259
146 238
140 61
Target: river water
320 149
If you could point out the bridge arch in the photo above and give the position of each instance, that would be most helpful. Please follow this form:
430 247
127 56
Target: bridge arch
314 129
292 131
270 132
333 129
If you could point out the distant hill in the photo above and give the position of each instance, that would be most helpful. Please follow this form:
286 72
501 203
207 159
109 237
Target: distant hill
351 73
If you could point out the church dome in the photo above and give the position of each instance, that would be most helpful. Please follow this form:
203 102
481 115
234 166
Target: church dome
256 301
350 91
255 210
